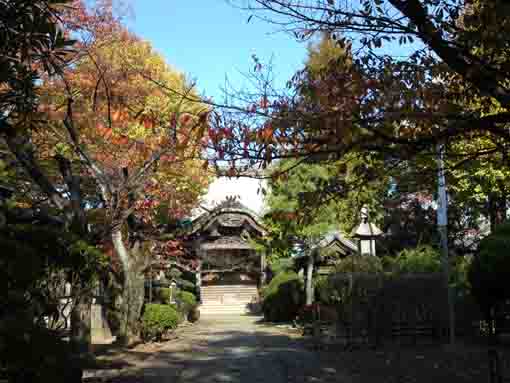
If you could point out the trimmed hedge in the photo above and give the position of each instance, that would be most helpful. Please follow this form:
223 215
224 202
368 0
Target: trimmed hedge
157 319
282 297
359 264
488 272
421 259
186 301
162 295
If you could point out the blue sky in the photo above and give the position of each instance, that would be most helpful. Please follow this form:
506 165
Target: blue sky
208 39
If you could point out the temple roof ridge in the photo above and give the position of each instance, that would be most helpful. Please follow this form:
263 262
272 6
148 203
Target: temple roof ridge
336 235
229 205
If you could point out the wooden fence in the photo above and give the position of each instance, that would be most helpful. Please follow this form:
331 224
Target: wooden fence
376 308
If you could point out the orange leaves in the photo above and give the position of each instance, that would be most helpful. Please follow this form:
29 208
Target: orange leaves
103 131
266 133
120 140
125 120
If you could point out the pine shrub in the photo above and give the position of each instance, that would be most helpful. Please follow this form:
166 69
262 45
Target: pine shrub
186 301
162 295
158 319
282 297
488 272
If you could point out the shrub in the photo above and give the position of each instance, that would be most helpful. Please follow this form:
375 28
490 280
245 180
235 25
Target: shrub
359 264
283 297
157 319
34 261
488 272
162 295
186 301
323 290
282 265
30 354
422 259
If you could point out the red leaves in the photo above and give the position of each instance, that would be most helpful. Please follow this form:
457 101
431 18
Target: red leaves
264 103
228 133
173 122
168 158
185 119
284 216
148 123
213 135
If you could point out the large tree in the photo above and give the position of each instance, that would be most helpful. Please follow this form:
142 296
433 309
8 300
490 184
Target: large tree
117 141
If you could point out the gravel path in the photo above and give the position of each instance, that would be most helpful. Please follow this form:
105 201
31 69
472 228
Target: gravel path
227 349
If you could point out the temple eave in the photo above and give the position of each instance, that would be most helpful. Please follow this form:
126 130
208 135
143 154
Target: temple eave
225 246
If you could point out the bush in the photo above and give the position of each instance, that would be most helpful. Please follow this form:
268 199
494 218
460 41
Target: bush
359 264
158 319
32 354
488 272
282 265
323 290
422 259
162 295
34 261
283 297
186 301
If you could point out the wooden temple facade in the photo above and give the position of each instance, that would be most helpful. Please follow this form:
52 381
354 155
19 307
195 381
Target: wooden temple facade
230 269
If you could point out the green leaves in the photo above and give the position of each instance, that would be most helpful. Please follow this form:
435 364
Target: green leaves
32 45
488 273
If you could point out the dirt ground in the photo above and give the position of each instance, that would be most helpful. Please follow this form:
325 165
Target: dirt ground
243 349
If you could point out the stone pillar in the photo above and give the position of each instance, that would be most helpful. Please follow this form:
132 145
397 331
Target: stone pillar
309 280
262 269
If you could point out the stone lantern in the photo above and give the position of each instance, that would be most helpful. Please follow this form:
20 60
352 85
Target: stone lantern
366 233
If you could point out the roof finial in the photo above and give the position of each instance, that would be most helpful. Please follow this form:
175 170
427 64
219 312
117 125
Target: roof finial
364 214
366 228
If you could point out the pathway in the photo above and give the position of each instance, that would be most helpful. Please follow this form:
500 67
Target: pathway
229 349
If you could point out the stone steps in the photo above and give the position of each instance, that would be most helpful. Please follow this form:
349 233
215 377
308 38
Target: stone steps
227 299
205 310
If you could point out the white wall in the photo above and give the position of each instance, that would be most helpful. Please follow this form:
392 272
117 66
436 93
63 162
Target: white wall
246 189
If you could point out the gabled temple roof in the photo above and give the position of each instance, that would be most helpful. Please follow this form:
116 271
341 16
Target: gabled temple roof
331 240
228 209
332 237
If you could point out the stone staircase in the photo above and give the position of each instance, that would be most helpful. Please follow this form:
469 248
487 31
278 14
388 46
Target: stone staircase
227 299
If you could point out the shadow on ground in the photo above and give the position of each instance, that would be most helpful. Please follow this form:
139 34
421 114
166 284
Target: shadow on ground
228 350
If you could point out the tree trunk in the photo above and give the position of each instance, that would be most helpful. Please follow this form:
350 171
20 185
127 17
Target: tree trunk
131 302
81 325
131 307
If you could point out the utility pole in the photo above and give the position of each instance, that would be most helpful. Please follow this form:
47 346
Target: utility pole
442 226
